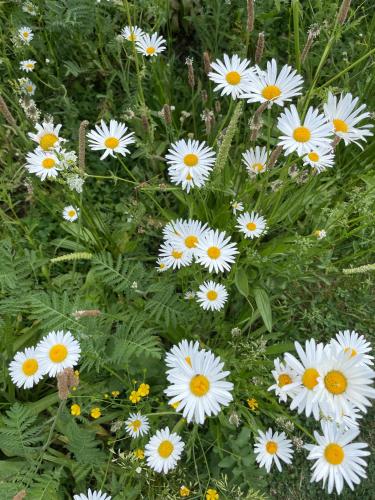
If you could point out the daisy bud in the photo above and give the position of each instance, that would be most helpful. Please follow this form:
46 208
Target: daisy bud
260 48
4 110
206 62
274 156
167 114
343 12
191 78
81 144
250 15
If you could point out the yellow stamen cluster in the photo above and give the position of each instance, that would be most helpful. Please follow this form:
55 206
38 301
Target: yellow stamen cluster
253 404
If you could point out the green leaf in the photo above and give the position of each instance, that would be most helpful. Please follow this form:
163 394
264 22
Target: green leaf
280 348
241 282
264 306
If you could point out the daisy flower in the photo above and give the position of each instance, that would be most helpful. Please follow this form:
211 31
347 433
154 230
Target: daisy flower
320 234
190 163
25 369
344 381
345 118
70 213
57 351
255 160
284 376
174 257
320 159
132 33
164 450
314 133
25 34
268 86
137 425
215 251
188 234
42 163
337 459
92 495
27 65
182 352
27 86
308 370
353 343
161 265
237 206
231 75
151 46
200 388
47 136
272 447
252 225
212 296
112 140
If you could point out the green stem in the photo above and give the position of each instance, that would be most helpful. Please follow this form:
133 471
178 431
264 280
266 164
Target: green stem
295 8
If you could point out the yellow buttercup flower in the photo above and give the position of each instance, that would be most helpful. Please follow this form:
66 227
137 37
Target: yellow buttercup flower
134 397
144 390
253 404
184 491
75 410
115 394
212 494
95 412
139 453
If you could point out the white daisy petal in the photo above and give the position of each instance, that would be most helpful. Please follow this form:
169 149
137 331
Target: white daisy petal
113 140
164 450
25 370
57 351
212 296
272 447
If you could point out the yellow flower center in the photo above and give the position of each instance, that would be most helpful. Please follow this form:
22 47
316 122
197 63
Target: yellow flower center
335 382
271 92
340 125
258 166
71 213
251 226
191 241
48 163
165 448
176 254
26 34
213 252
29 88
188 360
284 379
191 160
132 37
136 425
271 447
58 353
352 351
313 156
310 378
29 66
211 295
30 366
111 142
150 50
301 134
334 454
233 78
199 385
47 141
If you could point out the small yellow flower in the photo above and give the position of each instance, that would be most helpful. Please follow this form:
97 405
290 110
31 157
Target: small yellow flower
212 494
76 373
106 396
139 453
175 405
95 412
253 404
134 397
184 491
74 388
75 410
115 394
144 390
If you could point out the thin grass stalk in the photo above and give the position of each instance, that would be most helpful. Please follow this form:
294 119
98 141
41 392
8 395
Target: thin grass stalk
296 13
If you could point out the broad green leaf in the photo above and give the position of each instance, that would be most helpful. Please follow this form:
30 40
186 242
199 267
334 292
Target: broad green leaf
264 306
241 282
